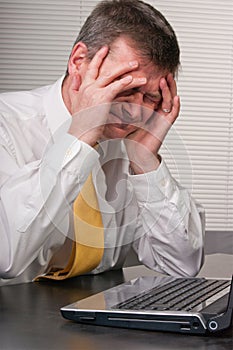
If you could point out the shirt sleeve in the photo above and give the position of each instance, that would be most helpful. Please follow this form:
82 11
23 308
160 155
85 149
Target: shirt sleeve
28 215
171 223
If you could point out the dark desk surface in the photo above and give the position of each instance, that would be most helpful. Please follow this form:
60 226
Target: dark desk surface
30 319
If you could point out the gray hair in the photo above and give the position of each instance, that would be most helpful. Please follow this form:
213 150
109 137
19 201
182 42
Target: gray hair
148 30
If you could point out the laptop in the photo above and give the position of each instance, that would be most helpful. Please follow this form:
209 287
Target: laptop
183 305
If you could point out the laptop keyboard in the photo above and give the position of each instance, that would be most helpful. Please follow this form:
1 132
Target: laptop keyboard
181 294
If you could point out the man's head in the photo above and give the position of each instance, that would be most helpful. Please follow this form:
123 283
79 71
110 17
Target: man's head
149 31
131 31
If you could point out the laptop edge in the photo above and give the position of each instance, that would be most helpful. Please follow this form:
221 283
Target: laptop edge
97 310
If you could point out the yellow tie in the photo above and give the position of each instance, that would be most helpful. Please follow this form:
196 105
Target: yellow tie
88 247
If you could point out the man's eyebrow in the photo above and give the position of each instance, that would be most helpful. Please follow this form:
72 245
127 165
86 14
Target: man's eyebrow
157 95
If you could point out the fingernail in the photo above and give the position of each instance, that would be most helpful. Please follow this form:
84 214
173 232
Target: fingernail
141 80
133 63
128 78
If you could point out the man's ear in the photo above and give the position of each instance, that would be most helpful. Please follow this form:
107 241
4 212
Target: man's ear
78 58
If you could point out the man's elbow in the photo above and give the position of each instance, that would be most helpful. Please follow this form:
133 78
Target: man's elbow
193 265
8 270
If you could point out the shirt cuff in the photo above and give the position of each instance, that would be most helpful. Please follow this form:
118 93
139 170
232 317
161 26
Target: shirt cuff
63 155
153 186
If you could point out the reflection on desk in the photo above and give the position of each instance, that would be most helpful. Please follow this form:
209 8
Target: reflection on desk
31 319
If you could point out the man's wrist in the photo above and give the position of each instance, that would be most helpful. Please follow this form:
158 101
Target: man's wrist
142 168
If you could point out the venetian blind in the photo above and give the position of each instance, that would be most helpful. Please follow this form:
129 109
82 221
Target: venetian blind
36 38
200 146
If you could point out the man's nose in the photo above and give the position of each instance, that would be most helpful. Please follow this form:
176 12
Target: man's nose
138 98
139 108
132 111
134 106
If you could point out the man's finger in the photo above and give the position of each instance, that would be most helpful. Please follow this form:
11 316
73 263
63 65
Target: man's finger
166 96
172 85
117 72
95 64
127 82
175 110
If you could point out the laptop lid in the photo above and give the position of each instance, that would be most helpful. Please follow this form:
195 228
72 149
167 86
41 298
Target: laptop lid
117 307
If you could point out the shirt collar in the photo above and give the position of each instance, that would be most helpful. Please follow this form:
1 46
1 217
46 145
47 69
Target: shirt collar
57 114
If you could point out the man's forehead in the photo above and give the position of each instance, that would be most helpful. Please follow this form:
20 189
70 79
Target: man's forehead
123 50
124 44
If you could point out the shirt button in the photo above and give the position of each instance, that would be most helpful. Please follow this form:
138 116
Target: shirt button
163 183
69 152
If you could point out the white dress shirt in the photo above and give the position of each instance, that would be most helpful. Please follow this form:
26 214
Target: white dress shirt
42 171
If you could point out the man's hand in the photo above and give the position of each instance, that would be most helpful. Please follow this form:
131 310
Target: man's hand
143 144
91 97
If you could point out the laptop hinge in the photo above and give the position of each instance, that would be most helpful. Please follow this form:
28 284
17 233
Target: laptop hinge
223 321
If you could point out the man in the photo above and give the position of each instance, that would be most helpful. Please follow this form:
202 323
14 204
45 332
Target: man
107 117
